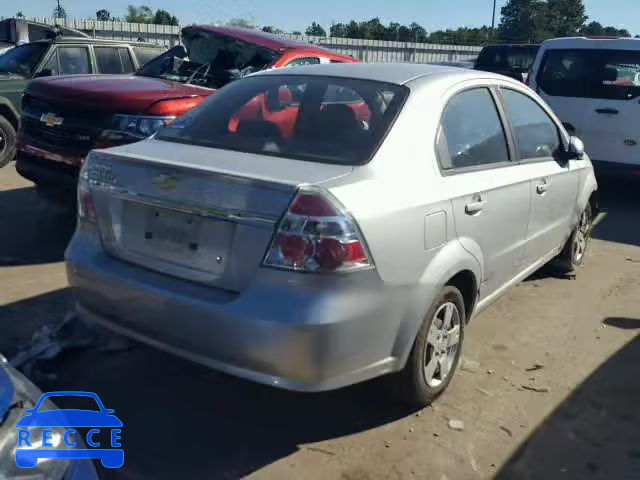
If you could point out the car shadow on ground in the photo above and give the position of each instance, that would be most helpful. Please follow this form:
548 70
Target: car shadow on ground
19 320
182 420
36 231
618 200
595 432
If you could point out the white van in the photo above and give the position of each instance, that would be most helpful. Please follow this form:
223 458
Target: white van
593 85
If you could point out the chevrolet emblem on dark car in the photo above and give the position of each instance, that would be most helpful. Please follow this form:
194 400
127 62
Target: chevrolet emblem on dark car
51 119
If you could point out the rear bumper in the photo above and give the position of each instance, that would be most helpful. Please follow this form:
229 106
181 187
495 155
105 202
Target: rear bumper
616 170
298 332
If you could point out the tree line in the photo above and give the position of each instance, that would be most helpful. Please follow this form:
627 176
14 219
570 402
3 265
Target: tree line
521 21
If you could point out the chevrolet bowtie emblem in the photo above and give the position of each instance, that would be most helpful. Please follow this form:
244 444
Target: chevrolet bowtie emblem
51 119
165 182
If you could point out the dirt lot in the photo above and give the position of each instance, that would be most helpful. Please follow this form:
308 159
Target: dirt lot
574 341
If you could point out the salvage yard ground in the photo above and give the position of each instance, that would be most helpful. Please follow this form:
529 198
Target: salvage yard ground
549 386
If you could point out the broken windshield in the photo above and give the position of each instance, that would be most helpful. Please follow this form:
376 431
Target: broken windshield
210 60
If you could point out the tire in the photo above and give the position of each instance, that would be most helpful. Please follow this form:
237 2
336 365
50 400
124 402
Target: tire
575 250
421 382
7 141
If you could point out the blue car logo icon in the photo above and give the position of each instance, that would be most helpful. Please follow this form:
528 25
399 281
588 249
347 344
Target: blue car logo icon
30 450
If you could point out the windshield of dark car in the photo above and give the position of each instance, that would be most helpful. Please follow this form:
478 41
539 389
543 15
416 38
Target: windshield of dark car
507 57
314 118
212 61
22 60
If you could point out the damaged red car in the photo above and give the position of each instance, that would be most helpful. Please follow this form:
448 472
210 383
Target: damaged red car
64 118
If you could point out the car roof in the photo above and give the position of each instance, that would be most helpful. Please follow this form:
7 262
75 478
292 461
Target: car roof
593 43
510 45
396 73
95 41
263 39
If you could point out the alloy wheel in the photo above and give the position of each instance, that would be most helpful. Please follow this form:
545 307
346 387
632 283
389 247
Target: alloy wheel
443 341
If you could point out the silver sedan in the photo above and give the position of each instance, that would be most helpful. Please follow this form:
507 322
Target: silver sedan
315 227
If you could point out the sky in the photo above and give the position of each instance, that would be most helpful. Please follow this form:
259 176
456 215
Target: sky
298 14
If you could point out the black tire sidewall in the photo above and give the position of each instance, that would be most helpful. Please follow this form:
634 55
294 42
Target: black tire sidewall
9 134
423 392
577 263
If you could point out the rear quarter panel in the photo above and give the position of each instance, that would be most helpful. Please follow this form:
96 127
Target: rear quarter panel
392 199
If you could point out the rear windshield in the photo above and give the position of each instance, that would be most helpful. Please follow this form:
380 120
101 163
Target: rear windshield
321 119
608 74
507 57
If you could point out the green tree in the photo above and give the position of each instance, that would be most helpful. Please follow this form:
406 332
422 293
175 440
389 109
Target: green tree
338 30
162 17
59 12
142 14
240 22
592 29
566 17
296 32
524 21
418 33
272 29
20 14
103 15
315 29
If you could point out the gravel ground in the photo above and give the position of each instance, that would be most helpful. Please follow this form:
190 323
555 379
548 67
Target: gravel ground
549 386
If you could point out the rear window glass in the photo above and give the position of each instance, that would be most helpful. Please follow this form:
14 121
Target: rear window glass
608 74
508 57
322 119
145 54
113 60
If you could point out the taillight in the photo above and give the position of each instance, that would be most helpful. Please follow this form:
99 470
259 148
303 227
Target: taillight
317 235
86 209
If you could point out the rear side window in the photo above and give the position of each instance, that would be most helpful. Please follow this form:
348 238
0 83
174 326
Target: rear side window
536 134
69 61
113 60
145 55
297 62
313 118
607 74
508 57
472 131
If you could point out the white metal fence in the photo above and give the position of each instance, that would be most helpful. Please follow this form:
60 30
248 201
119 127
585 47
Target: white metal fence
366 50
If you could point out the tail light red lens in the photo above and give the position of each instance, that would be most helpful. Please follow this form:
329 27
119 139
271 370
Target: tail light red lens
317 235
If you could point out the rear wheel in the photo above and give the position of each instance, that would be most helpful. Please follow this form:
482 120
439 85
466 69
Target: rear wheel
575 250
436 350
7 141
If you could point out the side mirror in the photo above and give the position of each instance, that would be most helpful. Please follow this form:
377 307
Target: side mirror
576 148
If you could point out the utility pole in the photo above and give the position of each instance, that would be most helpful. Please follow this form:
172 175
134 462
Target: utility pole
493 19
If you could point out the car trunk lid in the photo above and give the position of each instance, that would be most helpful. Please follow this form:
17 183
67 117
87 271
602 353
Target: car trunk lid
197 213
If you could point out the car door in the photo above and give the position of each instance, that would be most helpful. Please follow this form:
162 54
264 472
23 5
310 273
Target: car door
490 193
67 60
562 80
610 130
17 67
553 181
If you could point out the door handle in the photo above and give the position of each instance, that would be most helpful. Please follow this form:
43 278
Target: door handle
542 188
474 207
607 111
